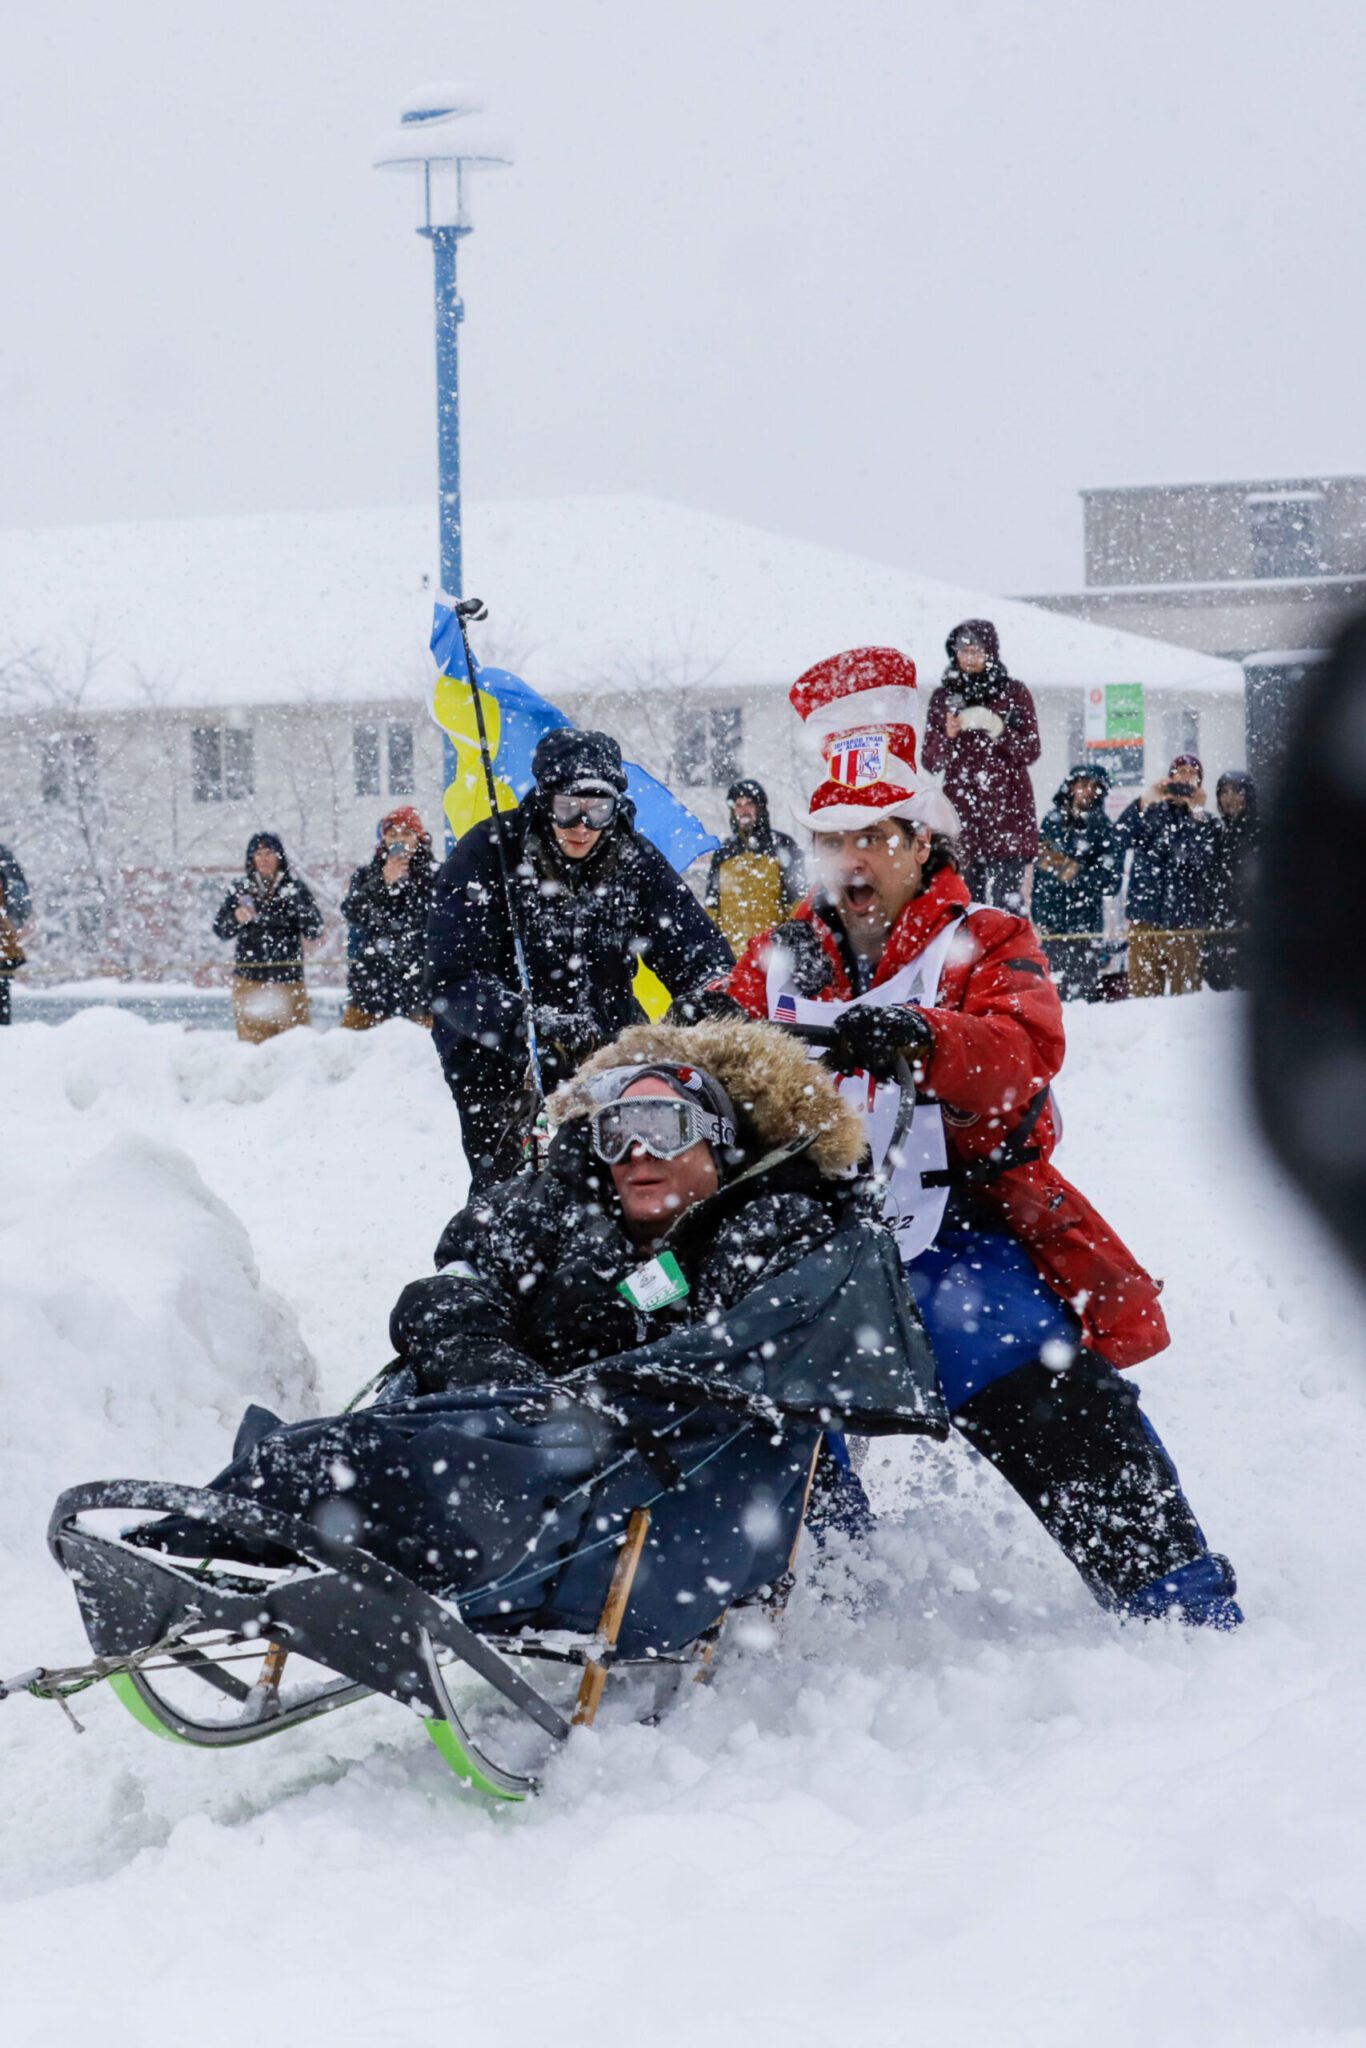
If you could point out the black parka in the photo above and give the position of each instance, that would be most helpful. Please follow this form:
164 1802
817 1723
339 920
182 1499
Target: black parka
15 900
1172 876
269 947
1236 841
532 1268
585 926
384 977
1058 907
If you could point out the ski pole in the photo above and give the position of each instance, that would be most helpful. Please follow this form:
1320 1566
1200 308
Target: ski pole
475 608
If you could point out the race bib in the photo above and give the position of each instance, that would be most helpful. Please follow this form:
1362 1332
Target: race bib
655 1285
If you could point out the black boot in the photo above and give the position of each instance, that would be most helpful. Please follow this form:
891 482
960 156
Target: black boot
1076 1447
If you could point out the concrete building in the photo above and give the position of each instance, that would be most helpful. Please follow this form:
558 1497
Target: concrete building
167 688
1232 569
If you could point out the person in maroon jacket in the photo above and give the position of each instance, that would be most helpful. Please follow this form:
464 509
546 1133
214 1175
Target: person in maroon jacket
982 737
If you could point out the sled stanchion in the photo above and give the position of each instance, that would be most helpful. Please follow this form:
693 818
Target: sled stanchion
263 1701
776 1605
613 1615
704 1668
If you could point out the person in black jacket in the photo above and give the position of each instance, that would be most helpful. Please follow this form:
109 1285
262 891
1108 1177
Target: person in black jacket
268 915
1080 863
16 907
1168 904
692 1168
756 876
1237 831
592 898
387 906
761 1187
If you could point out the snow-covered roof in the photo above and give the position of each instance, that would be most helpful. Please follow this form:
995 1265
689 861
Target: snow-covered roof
582 592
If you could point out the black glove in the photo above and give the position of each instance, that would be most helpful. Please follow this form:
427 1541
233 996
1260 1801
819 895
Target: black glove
573 1034
706 1003
810 968
872 1039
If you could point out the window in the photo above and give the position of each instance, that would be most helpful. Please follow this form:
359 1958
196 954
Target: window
52 771
400 760
206 764
1284 533
68 768
222 763
1180 733
708 746
85 765
239 763
365 759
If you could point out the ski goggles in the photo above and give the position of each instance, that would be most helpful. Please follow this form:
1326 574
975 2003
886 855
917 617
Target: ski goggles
568 808
662 1125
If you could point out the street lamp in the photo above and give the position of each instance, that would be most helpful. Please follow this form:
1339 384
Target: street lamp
437 139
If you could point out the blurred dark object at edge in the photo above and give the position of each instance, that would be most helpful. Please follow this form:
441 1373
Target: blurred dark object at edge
1309 947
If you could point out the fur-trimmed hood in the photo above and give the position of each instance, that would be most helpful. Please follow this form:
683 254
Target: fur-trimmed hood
779 1094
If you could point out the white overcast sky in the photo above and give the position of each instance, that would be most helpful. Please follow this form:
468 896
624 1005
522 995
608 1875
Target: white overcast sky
900 277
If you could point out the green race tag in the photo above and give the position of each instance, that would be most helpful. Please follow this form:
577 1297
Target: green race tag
655 1285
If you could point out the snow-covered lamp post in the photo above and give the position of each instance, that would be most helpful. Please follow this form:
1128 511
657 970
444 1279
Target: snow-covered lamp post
437 139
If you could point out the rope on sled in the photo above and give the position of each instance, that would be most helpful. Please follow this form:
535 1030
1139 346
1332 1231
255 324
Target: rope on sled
64 1682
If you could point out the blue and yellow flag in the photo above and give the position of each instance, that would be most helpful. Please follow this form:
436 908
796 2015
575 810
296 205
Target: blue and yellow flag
515 718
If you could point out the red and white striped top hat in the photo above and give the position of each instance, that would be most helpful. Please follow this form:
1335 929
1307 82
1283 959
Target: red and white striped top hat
857 707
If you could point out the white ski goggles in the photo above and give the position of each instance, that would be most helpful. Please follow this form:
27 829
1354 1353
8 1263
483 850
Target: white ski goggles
582 808
662 1125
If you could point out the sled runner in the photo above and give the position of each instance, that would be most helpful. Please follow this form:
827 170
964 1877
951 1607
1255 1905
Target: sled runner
158 1623
615 1516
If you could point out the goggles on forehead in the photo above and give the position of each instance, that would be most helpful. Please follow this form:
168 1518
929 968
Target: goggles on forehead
568 808
662 1125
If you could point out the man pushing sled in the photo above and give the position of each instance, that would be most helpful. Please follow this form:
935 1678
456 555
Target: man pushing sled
1029 1298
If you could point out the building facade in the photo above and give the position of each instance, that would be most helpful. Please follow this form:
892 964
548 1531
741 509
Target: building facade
1231 569
237 675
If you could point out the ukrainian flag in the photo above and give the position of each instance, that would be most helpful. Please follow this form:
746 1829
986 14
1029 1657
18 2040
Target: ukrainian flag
515 718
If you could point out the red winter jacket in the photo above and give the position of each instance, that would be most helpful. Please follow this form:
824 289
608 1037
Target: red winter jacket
998 1040
985 779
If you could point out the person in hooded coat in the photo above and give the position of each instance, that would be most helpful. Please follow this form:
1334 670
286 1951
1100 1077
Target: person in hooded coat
982 737
756 875
1237 834
387 906
16 907
267 916
1031 1300
1080 863
592 898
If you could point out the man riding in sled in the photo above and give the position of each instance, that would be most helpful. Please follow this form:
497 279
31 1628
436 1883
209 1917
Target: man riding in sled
669 1315
1031 1301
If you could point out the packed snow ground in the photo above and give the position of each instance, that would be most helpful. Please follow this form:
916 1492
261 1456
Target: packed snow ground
952 1802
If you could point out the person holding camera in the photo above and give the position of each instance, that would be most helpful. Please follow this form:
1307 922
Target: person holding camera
1171 882
267 915
982 738
386 907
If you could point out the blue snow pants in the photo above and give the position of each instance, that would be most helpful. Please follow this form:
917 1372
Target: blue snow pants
1064 1428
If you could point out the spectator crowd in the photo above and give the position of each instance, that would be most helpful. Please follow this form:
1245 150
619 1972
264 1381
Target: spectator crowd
1143 898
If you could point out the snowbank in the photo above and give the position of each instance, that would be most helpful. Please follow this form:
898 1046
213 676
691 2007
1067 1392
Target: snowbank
952 1801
